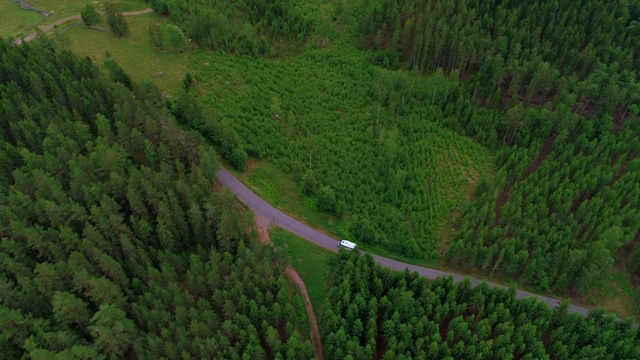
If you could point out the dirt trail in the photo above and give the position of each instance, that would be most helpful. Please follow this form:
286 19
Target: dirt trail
263 224
315 333
48 28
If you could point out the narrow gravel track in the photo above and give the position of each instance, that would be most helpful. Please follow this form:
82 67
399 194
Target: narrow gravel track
48 28
278 218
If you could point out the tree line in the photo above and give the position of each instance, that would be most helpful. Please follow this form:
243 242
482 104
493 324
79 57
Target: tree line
557 115
510 50
247 27
563 79
374 313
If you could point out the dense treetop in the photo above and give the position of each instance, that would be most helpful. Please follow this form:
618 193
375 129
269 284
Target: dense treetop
112 243
375 313
538 52
506 143
243 27
551 89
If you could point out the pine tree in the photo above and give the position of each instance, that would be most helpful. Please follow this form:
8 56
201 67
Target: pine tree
117 23
89 15
113 333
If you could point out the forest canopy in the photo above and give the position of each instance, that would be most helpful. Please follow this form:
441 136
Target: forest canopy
498 136
112 243
549 90
375 313
243 27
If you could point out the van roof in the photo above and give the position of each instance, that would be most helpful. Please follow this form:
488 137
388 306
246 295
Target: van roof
348 244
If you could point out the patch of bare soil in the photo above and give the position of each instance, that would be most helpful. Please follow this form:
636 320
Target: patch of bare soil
252 164
620 117
263 224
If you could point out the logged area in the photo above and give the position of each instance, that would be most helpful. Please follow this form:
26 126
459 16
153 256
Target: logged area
363 143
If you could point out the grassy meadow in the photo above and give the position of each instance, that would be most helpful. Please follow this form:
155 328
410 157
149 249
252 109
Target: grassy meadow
14 21
135 53
309 260
17 22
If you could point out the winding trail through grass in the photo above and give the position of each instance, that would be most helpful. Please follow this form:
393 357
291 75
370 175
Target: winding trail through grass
49 27
263 223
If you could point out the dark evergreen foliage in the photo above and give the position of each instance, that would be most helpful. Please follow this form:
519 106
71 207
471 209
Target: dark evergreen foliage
117 23
89 15
112 243
373 313
565 74
242 27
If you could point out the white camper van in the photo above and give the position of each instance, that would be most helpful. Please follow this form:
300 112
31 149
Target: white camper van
347 245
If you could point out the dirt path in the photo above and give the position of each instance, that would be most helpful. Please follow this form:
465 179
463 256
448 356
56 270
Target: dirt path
137 12
315 333
263 224
49 27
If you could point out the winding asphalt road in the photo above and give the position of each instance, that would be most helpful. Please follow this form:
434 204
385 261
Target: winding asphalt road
277 217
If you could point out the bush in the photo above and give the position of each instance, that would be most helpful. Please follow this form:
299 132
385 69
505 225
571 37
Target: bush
362 231
174 37
117 23
326 199
238 158
309 184
89 15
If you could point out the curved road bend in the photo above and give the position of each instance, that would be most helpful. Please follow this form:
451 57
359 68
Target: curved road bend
277 217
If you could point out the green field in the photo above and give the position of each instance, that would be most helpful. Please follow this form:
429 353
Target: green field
309 260
275 186
134 53
14 20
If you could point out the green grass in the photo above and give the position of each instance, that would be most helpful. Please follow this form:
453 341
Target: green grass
14 20
309 260
134 53
64 8
614 294
278 189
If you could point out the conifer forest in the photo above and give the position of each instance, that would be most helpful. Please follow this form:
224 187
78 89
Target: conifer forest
496 139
